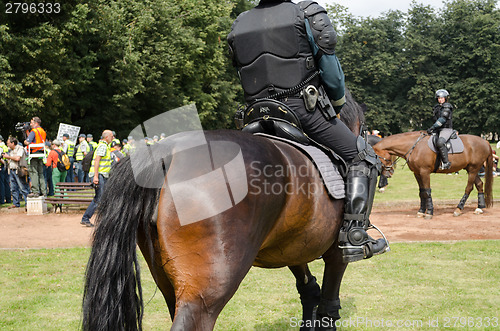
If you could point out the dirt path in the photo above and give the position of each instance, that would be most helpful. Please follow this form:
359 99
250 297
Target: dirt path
399 223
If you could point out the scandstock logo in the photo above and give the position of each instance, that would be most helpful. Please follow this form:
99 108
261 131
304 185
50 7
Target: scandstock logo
205 178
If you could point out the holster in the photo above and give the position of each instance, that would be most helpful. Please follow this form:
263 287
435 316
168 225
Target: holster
325 105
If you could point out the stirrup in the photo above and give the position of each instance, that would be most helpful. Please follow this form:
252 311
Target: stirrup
365 250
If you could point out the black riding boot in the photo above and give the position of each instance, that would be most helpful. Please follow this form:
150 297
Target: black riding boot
443 152
361 181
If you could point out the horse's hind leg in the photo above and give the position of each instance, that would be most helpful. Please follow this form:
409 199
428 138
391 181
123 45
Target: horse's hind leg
481 202
472 179
154 264
309 292
202 297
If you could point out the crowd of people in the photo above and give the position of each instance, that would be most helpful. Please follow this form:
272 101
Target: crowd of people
32 168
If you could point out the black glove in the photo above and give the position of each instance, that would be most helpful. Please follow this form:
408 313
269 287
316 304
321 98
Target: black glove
430 130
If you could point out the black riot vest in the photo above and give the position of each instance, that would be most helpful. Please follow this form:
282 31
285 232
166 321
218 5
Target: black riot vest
271 49
445 111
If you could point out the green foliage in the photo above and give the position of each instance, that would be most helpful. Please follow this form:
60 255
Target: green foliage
114 64
395 63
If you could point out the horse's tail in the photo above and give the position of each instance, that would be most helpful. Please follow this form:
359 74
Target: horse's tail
488 179
112 297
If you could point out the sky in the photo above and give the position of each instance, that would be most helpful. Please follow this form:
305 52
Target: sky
375 8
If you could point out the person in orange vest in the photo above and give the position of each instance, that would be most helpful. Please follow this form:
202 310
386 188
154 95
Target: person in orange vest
37 135
116 152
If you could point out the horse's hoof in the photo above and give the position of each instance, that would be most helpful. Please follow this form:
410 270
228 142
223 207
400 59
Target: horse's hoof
457 212
420 215
478 211
428 216
381 190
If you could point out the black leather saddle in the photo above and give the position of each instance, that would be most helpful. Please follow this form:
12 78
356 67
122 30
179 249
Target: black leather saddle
271 117
274 118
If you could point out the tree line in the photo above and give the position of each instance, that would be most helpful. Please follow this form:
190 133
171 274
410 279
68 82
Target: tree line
114 64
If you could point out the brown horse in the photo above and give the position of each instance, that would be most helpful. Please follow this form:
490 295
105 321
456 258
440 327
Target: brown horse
412 146
285 219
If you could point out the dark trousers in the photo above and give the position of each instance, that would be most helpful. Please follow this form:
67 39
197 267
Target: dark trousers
47 173
5 194
69 177
35 169
93 205
333 133
19 188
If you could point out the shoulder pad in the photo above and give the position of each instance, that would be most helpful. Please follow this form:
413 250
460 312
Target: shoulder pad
447 105
311 8
323 32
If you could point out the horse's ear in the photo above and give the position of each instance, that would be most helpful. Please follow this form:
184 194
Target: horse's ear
364 108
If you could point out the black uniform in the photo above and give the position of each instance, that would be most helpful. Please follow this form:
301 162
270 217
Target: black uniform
278 45
443 119
279 48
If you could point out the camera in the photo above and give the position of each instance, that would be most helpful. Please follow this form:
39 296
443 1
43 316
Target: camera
23 126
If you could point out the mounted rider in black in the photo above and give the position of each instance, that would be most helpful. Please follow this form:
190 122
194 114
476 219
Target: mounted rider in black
285 51
442 113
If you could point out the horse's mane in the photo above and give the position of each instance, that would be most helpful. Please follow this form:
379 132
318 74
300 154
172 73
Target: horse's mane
352 114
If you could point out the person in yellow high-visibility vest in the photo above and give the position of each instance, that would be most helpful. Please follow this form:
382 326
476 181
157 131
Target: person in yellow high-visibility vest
91 142
69 149
5 194
81 151
99 173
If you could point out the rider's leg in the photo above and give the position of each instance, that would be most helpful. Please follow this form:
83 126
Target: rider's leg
443 152
361 182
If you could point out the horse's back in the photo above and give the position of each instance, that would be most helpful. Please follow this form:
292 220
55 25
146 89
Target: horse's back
284 212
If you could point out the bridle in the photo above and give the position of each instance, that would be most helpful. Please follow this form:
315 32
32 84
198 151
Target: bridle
390 167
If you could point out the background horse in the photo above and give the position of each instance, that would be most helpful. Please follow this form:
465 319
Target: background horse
199 266
412 146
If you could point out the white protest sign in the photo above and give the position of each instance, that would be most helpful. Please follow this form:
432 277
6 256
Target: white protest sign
71 130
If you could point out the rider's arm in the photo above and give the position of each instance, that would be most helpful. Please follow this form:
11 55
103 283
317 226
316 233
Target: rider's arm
445 116
323 39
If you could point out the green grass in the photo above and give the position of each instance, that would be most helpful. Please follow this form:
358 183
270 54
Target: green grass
42 290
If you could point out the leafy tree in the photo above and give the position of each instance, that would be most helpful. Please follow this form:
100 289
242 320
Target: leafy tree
471 40
113 64
396 62
370 52
422 71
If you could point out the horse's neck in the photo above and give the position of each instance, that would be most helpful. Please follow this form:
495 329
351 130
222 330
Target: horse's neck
399 145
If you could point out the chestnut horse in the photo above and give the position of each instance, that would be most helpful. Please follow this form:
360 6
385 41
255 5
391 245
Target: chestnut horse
199 266
412 146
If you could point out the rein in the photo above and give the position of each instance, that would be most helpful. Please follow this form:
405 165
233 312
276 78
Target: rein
406 156
422 135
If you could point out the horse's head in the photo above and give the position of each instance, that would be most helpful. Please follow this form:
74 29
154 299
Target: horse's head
387 160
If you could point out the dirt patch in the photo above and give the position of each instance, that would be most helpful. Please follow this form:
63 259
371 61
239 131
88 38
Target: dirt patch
401 224
398 222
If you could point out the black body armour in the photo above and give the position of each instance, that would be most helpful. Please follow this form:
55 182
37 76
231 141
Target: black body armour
445 111
271 49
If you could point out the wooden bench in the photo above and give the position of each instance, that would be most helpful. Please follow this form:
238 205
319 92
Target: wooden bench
71 194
